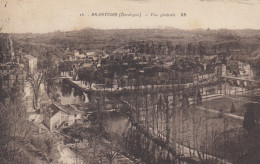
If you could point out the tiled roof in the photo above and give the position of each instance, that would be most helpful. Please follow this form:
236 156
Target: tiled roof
71 109
55 108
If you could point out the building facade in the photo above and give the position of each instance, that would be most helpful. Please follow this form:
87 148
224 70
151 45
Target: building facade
57 116
30 62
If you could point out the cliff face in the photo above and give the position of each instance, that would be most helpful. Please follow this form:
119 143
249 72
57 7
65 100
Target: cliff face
6 48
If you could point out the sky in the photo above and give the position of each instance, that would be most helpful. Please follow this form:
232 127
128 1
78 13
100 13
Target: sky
41 16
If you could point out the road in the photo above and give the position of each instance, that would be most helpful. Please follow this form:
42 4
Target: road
218 112
67 156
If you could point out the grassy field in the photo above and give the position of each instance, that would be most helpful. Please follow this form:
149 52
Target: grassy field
226 103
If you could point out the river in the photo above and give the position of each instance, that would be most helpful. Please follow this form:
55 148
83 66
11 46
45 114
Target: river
116 122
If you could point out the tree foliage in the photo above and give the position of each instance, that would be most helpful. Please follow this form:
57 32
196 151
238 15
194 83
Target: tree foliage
249 122
35 79
233 108
15 130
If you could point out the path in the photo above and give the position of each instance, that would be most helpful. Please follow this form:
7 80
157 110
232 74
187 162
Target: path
218 112
67 156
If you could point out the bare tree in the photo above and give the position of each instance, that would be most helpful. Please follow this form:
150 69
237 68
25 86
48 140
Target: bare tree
110 150
15 131
35 80
197 121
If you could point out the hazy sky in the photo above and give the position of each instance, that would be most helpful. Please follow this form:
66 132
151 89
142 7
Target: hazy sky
51 15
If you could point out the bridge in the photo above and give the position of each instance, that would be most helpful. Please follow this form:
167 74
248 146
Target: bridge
241 81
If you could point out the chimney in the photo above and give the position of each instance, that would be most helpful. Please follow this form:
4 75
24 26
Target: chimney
205 67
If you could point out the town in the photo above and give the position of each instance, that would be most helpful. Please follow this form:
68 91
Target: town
130 96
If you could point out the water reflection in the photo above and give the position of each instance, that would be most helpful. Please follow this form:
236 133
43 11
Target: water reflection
66 90
71 95
117 123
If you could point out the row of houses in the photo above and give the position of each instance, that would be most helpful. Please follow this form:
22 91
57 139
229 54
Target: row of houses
84 55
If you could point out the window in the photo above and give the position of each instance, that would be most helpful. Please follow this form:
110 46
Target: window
75 115
66 124
56 126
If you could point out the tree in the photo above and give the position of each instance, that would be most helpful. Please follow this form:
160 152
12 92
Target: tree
101 115
4 94
196 121
185 102
119 74
15 91
15 129
50 76
199 97
89 76
35 80
100 76
221 113
249 122
50 72
110 151
45 75
167 122
233 108
158 114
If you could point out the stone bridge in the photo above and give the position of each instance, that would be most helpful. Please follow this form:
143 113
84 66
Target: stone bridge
241 81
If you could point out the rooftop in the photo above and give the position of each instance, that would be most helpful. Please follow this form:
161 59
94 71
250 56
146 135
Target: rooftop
29 56
55 108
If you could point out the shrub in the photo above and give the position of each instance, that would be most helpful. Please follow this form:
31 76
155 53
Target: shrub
233 108
221 113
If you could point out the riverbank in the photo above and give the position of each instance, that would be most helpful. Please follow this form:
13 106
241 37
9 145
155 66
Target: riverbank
214 122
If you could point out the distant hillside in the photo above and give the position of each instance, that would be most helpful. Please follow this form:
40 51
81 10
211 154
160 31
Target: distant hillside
255 55
89 39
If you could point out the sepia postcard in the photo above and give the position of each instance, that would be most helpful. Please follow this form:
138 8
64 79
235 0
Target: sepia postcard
129 81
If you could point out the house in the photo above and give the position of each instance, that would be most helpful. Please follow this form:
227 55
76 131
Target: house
186 77
88 66
79 55
57 116
105 56
90 54
30 62
221 70
245 69
125 80
168 64
9 74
